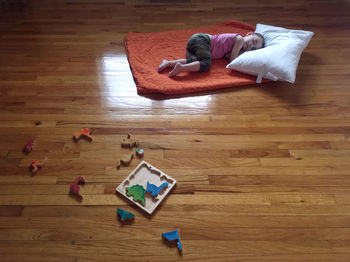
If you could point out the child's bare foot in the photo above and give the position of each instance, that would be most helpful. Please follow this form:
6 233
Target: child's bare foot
163 65
176 70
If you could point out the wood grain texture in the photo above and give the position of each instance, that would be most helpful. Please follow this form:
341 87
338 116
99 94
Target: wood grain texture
262 170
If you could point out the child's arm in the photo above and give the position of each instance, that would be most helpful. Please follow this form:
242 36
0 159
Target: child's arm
236 48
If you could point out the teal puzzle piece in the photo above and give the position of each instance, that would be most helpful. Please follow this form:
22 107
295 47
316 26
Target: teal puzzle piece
124 215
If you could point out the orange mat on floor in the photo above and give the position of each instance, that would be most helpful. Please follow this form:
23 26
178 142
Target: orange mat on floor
145 51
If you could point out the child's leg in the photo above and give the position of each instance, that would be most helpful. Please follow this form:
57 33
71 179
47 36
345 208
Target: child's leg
171 63
190 67
198 55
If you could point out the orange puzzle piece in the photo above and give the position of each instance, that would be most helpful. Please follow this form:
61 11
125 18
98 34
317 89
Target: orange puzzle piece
36 165
86 132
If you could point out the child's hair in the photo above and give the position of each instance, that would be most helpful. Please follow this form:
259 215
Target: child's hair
262 38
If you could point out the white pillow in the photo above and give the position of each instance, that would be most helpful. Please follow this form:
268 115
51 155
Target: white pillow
279 59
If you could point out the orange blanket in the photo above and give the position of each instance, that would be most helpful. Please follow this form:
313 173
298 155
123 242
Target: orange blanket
145 51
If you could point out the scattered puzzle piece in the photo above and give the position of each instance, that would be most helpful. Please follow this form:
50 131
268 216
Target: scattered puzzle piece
139 152
86 132
36 165
129 141
172 236
125 160
29 146
138 193
124 215
151 188
75 188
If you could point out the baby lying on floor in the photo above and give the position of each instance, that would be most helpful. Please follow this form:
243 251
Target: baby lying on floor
202 48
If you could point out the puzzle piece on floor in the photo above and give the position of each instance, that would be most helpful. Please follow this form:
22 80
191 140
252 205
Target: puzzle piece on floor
139 152
154 190
75 188
173 236
125 215
129 141
86 132
29 146
36 165
125 160
138 193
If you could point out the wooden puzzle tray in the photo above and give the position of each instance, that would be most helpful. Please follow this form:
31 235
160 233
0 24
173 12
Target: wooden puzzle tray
146 186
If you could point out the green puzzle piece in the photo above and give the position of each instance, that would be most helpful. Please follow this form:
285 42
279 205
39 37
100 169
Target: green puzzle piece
138 192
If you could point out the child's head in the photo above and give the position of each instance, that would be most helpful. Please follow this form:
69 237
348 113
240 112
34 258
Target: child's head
253 41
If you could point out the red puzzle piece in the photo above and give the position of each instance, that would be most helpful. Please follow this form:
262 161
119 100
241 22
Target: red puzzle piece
29 146
75 188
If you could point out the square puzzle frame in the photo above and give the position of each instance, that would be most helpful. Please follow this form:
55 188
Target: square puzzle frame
142 174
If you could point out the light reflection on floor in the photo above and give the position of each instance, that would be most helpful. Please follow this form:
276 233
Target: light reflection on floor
115 73
118 88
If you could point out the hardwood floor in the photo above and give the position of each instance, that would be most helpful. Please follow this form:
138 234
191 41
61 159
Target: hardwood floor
263 171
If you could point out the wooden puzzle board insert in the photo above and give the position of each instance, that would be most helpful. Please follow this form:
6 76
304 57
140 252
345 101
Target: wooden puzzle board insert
142 174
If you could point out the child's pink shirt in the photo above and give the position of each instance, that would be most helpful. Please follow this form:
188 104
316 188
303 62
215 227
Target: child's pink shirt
221 45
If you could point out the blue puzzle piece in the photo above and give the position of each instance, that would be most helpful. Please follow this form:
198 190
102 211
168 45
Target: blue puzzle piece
124 214
151 188
173 235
